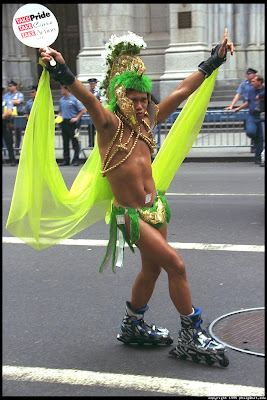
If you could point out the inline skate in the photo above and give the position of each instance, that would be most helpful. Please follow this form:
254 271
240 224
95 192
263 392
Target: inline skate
135 330
195 342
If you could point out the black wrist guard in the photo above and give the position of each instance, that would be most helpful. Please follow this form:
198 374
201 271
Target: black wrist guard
61 73
212 63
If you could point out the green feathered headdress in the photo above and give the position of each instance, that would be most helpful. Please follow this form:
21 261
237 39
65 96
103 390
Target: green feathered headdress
129 80
125 68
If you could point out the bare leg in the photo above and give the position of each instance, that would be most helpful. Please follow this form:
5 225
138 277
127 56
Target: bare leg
156 253
144 285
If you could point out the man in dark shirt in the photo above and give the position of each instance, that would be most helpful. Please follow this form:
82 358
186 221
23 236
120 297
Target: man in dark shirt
255 103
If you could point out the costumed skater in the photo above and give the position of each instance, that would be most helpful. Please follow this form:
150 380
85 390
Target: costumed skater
139 211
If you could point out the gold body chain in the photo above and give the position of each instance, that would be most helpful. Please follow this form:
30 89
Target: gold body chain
149 140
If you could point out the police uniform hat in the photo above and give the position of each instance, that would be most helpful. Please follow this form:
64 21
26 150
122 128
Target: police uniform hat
92 80
251 71
12 83
33 89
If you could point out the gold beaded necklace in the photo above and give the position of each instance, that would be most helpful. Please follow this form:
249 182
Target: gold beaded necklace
149 140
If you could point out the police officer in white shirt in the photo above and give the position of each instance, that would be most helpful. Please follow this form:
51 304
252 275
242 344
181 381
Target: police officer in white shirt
71 111
17 98
7 108
97 93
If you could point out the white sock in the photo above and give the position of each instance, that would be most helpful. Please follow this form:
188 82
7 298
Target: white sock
188 315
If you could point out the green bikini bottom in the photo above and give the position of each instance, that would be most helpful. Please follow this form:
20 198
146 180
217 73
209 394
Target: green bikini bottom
157 215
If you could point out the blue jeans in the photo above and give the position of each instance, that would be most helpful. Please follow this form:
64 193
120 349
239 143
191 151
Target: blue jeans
254 132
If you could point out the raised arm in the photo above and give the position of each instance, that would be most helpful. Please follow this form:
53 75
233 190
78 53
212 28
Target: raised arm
103 119
192 82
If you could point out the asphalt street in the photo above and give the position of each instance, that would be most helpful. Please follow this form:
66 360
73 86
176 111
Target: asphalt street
61 315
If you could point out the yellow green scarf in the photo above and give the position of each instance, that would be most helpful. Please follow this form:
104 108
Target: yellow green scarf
44 212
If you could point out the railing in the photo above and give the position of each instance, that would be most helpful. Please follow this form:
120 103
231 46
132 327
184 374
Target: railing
220 128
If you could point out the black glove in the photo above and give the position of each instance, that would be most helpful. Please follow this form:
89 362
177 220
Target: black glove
61 73
212 63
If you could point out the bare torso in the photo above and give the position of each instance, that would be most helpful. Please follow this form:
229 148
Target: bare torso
131 181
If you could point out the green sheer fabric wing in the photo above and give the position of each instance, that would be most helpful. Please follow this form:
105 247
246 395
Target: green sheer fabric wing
43 211
182 135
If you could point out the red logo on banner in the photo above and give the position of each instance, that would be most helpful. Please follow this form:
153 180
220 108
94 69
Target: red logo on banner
28 34
25 27
22 20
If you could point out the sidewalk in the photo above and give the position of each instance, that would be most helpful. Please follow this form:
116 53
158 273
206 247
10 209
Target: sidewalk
223 154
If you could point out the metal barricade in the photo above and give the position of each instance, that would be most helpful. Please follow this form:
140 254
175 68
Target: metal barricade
20 121
262 116
220 128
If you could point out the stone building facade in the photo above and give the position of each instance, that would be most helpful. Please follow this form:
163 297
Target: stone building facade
178 37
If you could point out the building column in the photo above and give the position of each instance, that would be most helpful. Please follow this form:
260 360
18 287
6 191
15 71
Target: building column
17 64
188 46
97 23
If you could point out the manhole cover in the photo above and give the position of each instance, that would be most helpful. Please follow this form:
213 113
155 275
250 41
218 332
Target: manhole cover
241 330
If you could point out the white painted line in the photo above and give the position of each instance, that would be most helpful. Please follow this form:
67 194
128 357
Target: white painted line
221 247
125 381
214 194
67 242
175 245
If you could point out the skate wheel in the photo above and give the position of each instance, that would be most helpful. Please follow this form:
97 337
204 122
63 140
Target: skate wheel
209 361
224 362
195 358
183 356
172 352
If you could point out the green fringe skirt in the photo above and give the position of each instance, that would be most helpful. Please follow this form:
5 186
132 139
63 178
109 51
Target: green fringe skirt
156 216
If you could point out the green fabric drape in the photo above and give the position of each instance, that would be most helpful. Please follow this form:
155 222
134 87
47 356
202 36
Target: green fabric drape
182 135
44 212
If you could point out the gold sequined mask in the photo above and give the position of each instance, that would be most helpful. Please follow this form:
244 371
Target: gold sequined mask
127 62
126 106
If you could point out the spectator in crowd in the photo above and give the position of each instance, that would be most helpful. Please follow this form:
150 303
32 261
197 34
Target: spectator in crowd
71 110
255 103
17 98
242 90
97 93
7 108
29 104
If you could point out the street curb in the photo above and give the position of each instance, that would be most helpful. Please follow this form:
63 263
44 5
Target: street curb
218 159
208 159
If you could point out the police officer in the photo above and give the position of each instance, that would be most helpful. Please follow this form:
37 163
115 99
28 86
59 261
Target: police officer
29 104
243 88
7 108
17 99
97 93
71 110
